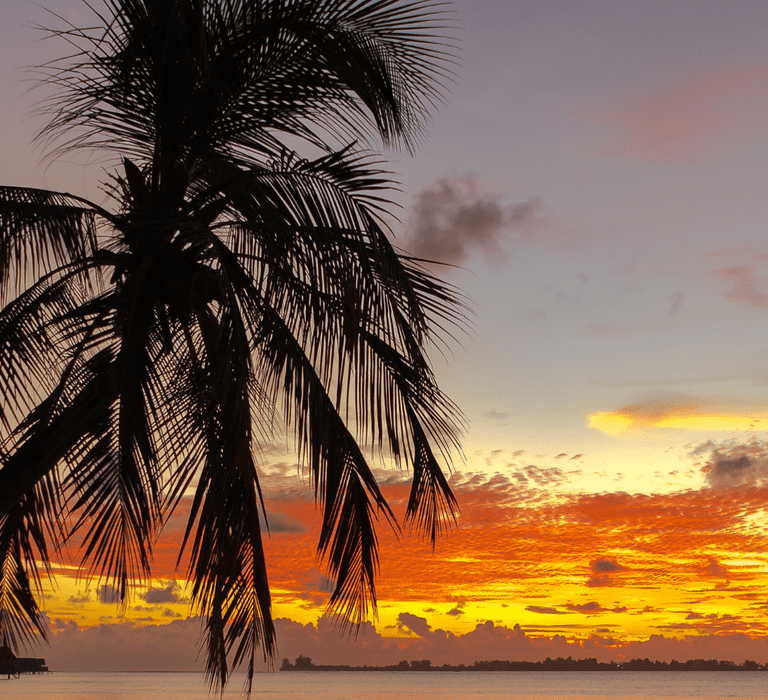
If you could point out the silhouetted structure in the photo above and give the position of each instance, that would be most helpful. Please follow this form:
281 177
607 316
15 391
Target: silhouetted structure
12 665
304 663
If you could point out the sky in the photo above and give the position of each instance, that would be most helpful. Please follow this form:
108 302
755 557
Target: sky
596 181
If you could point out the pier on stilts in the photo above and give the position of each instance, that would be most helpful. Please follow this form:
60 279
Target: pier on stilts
13 666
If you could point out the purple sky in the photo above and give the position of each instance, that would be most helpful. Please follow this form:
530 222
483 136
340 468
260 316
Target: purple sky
598 172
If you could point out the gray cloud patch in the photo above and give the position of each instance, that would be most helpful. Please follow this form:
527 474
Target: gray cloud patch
414 623
605 566
731 465
602 569
675 302
542 610
80 598
107 594
280 522
158 596
456 217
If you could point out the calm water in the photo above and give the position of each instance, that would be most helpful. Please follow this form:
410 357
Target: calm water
392 686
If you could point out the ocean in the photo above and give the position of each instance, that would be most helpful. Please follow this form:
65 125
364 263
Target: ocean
620 685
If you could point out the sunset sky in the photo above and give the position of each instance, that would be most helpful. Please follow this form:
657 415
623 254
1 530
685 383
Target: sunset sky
598 176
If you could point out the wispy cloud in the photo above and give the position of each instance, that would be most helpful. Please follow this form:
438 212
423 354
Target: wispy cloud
675 302
544 610
690 120
745 281
744 285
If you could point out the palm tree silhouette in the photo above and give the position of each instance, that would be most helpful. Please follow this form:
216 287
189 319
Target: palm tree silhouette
228 284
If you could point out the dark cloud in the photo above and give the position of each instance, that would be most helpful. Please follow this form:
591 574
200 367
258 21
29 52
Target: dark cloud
675 302
541 610
545 476
731 465
496 415
158 596
602 569
725 623
455 612
457 216
413 623
605 566
599 581
593 608
280 522
169 613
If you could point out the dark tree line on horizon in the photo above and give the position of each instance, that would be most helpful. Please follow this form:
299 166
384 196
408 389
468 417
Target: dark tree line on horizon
304 663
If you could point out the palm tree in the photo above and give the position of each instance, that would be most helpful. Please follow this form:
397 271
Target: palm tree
149 345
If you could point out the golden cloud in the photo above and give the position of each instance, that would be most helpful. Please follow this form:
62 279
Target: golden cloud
680 413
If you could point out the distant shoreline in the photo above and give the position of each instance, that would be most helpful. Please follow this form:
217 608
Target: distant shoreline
304 663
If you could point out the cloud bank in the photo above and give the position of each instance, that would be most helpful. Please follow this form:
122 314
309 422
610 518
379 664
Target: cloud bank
173 646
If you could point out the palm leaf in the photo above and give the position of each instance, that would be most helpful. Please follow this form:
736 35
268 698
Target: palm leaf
39 231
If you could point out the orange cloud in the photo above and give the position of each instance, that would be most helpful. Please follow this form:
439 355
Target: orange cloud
745 285
743 275
691 120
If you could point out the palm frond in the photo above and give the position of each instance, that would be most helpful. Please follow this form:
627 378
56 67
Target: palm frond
356 310
25 534
42 332
227 565
344 483
40 230
241 71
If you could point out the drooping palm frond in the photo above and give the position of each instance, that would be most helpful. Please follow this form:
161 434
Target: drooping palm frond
25 534
145 352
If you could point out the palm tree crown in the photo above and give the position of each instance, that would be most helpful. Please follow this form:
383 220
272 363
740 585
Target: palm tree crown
148 345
